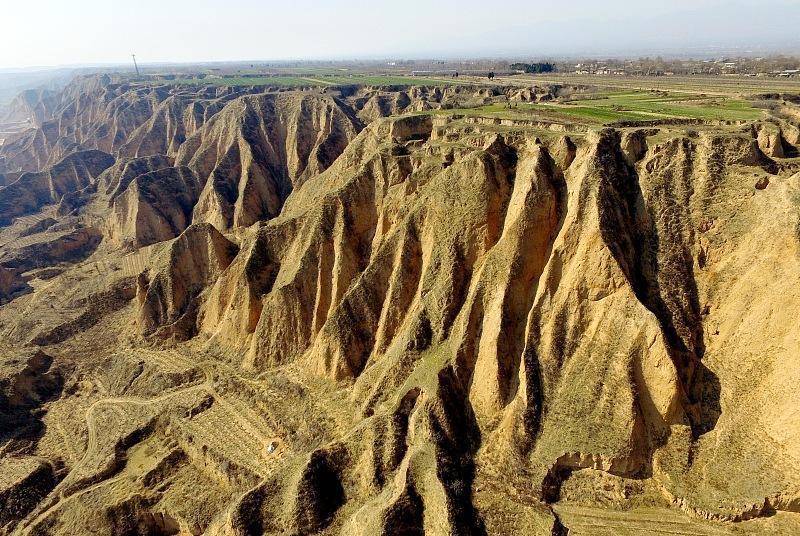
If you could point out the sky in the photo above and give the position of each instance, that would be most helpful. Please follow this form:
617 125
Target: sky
70 32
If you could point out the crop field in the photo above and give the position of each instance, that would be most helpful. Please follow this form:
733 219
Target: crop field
377 80
282 81
707 85
650 105
610 107
321 80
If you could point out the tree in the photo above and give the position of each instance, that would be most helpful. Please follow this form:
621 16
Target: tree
534 67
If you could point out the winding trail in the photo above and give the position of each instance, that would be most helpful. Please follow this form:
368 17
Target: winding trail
55 502
57 497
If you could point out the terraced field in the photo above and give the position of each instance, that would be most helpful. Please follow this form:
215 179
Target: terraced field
9 235
378 80
584 521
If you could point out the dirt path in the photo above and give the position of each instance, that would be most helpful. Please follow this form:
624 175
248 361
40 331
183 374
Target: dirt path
91 445
232 410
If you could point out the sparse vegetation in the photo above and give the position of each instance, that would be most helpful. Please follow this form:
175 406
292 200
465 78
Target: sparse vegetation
382 309
612 107
313 80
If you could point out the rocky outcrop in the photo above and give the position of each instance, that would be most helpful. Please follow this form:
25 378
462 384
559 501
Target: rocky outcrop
778 138
169 295
32 191
252 154
432 325
511 270
155 207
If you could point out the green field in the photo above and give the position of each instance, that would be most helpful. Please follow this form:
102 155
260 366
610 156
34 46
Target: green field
611 107
383 80
649 106
316 80
732 86
603 107
282 81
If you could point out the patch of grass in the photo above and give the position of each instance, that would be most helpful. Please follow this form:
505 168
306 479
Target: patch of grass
612 106
314 79
372 80
649 106
281 81
696 84
595 114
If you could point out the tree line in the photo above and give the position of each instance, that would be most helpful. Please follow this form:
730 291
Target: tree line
533 67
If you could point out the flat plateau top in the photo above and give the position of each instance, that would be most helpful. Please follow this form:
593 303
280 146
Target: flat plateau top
711 85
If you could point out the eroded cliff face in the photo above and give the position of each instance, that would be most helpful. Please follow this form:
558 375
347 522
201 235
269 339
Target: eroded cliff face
32 191
375 102
569 317
298 324
156 206
259 148
232 172
168 296
123 119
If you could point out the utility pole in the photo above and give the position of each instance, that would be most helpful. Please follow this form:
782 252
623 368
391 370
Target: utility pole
135 65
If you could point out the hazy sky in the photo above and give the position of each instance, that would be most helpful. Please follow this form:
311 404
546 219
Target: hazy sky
55 32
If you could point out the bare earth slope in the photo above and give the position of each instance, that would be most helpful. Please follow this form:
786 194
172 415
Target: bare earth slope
300 316
258 148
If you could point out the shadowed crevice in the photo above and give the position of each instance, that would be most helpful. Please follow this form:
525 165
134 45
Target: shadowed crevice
628 229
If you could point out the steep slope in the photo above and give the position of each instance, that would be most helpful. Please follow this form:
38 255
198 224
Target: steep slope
236 171
168 296
93 114
176 118
35 105
434 324
563 316
116 179
31 191
252 154
97 112
156 206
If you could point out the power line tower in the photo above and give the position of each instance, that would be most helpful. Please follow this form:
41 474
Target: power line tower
135 64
